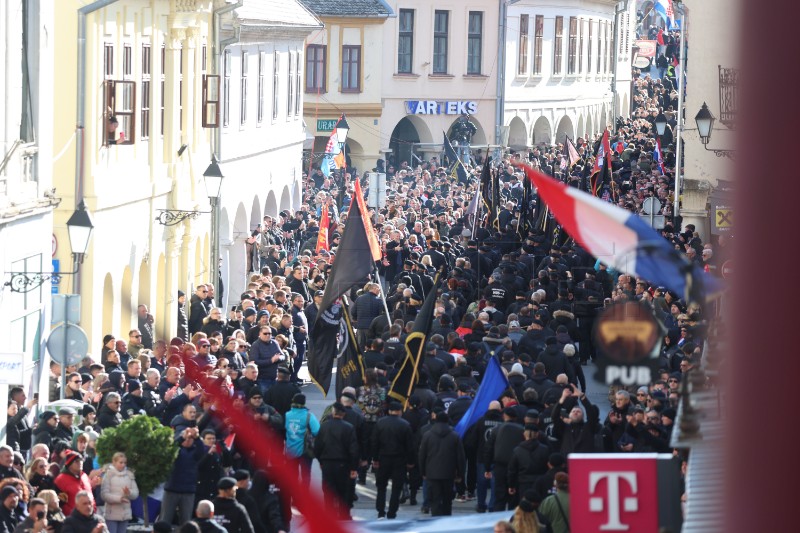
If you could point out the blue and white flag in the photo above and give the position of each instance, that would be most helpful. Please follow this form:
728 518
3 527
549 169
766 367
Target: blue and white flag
493 384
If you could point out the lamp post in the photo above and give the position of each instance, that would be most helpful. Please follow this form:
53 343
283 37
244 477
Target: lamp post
705 126
212 177
661 125
342 128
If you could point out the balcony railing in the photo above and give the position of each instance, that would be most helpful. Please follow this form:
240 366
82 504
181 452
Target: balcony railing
728 92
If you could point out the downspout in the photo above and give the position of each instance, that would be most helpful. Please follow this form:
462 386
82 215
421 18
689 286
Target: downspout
81 90
216 52
676 209
79 121
617 13
501 75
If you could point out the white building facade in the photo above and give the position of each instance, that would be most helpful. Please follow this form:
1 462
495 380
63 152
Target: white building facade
564 64
26 199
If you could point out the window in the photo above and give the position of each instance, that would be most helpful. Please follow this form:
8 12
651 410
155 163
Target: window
440 29
108 61
226 88
289 84
120 102
522 55
180 91
298 75
474 42
537 44
558 45
581 33
572 60
163 83
351 69
609 46
275 83
243 91
405 44
127 62
315 68
600 39
211 101
591 47
262 60
145 105
204 59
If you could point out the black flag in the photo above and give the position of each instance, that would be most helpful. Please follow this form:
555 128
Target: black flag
350 364
494 217
486 183
408 376
353 262
456 166
322 347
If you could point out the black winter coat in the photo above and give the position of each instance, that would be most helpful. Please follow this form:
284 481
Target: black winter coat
337 441
528 463
501 443
441 453
232 515
392 437
555 363
78 523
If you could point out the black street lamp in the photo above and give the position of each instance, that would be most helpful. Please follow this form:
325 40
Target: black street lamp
661 124
79 230
705 126
212 177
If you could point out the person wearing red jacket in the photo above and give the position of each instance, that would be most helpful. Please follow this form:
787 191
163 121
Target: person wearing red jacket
71 481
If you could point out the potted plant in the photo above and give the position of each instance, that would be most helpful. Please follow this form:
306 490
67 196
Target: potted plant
150 449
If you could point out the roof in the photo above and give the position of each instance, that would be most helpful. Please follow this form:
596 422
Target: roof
349 8
287 13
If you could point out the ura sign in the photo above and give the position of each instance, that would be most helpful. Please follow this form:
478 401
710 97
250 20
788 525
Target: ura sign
437 107
623 492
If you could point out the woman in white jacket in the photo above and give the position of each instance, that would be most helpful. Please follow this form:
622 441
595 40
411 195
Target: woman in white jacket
118 489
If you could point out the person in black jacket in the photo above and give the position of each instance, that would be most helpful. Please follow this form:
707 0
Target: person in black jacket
281 393
205 518
366 308
197 309
497 453
336 449
392 452
441 462
83 518
576 436
9 518
528 461
229 513
183 320
244 497
474 444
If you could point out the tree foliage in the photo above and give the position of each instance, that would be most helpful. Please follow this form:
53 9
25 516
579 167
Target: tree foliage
148 445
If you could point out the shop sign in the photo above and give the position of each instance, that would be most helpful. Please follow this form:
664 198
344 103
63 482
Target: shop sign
439 107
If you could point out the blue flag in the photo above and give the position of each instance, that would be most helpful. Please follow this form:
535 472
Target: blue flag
493 384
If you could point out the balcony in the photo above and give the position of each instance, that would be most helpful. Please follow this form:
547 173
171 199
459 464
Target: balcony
728 95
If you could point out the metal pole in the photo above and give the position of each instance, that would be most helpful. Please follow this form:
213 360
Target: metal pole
62 395
501 73
214 266
383 296
679 126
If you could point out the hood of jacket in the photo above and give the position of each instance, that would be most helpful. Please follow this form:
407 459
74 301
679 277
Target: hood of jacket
441 429
561 313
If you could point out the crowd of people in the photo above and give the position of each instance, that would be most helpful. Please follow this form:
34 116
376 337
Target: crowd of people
515 288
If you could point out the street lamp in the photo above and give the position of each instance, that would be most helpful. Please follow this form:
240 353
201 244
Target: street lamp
212 177
661 124
342 127
79 230
705 126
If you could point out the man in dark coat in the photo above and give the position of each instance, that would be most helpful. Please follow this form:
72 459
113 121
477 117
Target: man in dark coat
83 519
497 453
577 435
366 308
555 362
528 462
198 310
281 393
229 513
244 497
441 462
205 518
392 452
9 517
337 451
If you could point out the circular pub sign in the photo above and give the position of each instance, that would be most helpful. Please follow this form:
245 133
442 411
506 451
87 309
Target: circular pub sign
625 336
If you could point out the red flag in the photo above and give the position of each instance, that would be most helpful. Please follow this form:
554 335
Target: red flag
229 440
374 245
660 37
322 237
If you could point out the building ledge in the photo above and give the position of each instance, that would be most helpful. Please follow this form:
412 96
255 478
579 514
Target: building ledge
405 76
475 77
441 76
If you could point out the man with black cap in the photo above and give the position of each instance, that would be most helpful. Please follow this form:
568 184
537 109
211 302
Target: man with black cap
281 393
458 408
442 462
436 367
65 430
268 502
337 450
528 460
392 452
497 453
9 518
46 429
133 403
229 513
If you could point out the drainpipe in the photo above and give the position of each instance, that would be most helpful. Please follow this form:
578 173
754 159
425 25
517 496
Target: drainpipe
617 12
501 74
80 117
216 52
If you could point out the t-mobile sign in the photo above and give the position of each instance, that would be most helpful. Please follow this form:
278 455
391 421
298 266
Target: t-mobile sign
623 492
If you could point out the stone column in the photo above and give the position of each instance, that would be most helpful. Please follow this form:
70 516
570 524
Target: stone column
172 126
694 200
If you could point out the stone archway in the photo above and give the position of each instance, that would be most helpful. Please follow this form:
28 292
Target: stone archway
161 305
542 131
410 130
517 134
255 214
564 128
581 131
589 125
603 119
237 273
126 304
297 193
224 255
286 199
271 208
109 305
144 286
199 264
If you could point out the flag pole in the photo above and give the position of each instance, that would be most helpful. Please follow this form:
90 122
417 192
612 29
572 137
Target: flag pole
383 296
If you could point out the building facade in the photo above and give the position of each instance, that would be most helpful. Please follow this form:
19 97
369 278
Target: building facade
150 65
343 75
439 62
563 65
26 197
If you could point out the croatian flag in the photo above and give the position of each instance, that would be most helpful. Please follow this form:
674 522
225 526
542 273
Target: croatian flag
664 8
619 238
332 149
658 156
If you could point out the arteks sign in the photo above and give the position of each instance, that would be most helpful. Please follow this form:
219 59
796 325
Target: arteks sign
436 107
631 492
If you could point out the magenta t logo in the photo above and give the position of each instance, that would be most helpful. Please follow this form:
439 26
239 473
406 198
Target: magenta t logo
612 505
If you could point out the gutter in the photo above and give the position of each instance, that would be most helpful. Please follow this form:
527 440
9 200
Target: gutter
617 13
216 52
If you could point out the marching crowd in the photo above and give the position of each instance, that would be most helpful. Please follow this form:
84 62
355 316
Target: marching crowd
516 289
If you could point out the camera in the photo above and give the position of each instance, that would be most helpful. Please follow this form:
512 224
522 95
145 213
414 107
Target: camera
39 515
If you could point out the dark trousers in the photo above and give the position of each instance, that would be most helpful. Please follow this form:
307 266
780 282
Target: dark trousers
441 496
362 470
394 469
502 499
468 484
336 487
297 362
